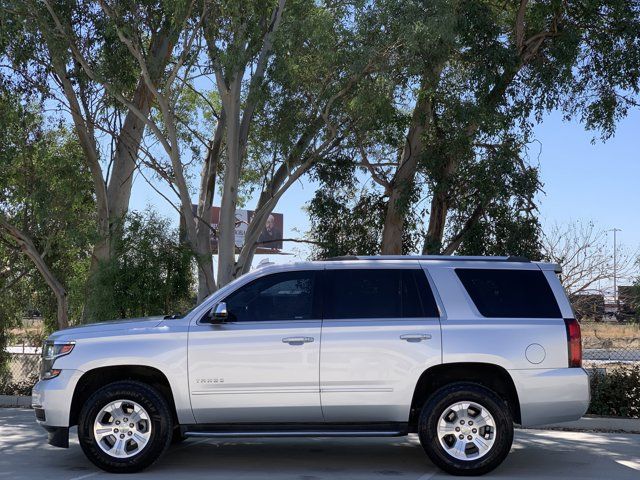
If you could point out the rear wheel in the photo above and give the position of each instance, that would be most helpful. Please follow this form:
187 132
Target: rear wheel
466 429
125 426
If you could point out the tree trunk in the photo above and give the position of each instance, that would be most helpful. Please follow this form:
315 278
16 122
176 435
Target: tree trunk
206 279
403 180
437 220
29 249
130 135
239 120
439 208
459 237
229 202
120 184
440 201
393 228
125 158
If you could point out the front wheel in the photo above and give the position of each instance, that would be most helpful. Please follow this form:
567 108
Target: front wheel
125 426
466 429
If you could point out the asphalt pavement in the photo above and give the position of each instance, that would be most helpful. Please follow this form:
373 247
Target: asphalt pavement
536 454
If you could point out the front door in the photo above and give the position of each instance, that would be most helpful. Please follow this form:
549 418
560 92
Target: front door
262 365
380 332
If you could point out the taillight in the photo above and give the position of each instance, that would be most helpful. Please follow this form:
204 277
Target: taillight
574 342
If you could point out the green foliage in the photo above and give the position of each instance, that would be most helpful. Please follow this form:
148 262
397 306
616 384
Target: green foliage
346 217
23 387
616 393
317 50
150 273
505 184
46 191
504 231
488 88
345 224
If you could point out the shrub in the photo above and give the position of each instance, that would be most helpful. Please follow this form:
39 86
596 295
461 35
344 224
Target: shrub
22 387
150 274
616 393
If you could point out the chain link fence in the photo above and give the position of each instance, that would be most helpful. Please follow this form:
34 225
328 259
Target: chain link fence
20 373
611 354
607 345
594 357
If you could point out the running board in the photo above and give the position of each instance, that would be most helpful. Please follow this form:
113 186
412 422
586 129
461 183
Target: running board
266 434
295 430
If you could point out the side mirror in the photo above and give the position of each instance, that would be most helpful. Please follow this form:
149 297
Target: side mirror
218 314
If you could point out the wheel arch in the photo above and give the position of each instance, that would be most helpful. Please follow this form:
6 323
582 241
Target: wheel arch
491 376
98 377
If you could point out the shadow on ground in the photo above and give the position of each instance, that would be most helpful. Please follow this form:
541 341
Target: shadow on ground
536 454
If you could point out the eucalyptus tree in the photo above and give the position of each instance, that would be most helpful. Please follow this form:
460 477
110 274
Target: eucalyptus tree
46 213
286 75
184 21
475 76
40 42
239 37
517 61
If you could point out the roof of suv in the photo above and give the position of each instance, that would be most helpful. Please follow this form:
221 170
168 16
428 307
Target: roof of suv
431 257
435 258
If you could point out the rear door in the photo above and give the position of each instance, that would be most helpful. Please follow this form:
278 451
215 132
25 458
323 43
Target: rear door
380 331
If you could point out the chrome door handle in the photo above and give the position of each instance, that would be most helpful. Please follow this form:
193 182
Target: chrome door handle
415 337
297 340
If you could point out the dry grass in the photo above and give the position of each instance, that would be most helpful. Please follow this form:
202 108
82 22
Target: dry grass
610 335
31 335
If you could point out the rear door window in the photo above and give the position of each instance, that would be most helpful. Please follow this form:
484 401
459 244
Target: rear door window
377 293
509 293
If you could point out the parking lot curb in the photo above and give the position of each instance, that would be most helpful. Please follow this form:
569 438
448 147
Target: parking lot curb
596 423
15 401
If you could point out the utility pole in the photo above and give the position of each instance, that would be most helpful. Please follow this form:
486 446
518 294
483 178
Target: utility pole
615 267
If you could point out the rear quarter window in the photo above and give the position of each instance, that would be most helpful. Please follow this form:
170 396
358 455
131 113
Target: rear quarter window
509 293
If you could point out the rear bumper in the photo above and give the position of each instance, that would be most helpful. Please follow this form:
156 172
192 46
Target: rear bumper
551 395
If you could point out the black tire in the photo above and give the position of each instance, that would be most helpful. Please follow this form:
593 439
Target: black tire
159 415
437 405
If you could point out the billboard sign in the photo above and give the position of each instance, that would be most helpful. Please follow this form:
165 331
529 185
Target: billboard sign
270 240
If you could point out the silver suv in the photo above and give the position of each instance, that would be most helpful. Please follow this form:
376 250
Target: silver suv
455 349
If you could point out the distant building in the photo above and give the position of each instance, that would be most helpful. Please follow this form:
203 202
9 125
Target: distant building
629 300
588 306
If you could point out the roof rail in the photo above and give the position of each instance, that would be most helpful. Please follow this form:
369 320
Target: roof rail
451 258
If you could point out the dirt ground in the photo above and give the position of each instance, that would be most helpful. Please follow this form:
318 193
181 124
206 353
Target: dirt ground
610 335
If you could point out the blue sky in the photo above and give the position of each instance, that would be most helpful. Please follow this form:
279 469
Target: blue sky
598 182
582 181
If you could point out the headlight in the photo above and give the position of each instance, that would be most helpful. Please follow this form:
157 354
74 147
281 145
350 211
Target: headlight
50 351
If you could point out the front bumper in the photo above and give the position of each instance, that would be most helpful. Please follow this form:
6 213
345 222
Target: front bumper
51 400
551 395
